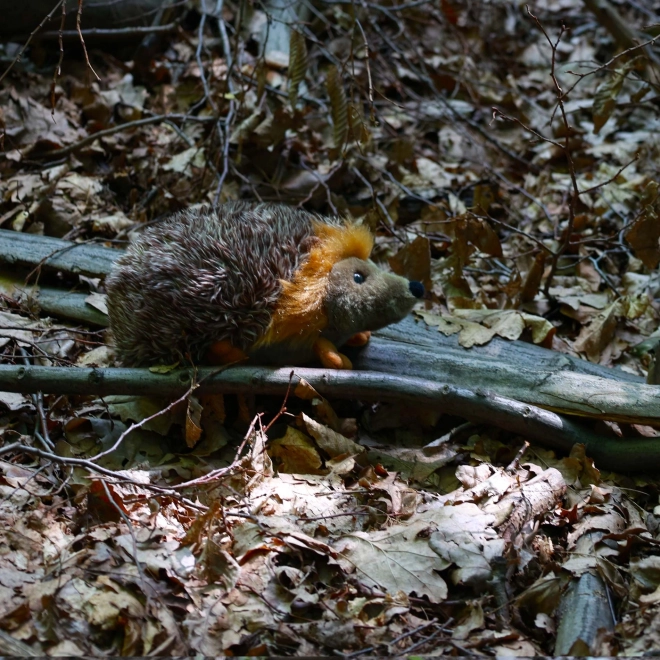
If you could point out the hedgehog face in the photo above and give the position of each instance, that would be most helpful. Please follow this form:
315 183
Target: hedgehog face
360 296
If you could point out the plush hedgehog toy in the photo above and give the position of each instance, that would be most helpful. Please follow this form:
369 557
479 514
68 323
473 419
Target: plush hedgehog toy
261 281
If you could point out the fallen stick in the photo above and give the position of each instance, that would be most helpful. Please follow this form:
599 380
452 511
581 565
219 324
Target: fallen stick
543 426
399 358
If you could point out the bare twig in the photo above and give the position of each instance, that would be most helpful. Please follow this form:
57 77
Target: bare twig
90 139
622 55
136 425
366 59
611 179
58 69
528 129
229 119
525 419
63 460
82 39
29 39
112 33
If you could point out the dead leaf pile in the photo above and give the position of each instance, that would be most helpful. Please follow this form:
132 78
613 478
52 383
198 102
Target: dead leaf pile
507 163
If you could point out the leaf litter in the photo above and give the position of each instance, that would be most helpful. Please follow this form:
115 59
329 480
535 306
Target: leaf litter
338 527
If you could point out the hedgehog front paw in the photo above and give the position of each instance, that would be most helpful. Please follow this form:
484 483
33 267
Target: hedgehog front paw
224 352
329 356
359 339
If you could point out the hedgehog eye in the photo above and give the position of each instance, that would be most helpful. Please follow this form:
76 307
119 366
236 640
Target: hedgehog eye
358 278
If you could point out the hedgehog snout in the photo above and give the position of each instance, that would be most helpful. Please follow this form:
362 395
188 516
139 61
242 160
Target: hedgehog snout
360 296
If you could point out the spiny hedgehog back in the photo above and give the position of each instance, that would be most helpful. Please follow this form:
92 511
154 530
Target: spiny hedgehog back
205 275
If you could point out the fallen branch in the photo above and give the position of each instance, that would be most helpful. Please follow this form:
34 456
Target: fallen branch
113 33
516 370
585 609
76 146
32 251
429 367
481 406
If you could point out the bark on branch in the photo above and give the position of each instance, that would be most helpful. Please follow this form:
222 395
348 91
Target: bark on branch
405 362
479 406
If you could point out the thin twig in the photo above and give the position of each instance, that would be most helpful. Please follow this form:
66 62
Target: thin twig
208 97
366 60
498 113
29 39
112 32
82 39
58 69
76 146
63 460
229 119
145 420
611 179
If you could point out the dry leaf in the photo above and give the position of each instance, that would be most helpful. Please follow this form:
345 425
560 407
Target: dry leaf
606 95
193 424
338 106
330 441
297 65
414 261
396 559
644 235
295 453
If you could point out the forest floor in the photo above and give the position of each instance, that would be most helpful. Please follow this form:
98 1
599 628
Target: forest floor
507 158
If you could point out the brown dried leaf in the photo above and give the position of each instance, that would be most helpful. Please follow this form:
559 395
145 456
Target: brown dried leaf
330 441
606 95
457 292
594 338
414 261
193 424
644 235
260 74
338 106
482 199
296 453
533 280
358 126
459 246
482 236
398 558
297 65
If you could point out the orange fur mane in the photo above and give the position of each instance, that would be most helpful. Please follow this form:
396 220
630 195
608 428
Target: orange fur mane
300 316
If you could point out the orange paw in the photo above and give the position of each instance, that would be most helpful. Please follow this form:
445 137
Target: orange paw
329 356
224 352
359 339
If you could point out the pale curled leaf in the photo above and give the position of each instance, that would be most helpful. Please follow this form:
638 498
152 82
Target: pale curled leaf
479 326
594 338
330 441
395 559
465 537
473 621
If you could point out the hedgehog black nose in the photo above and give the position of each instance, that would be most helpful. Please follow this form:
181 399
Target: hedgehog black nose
416 288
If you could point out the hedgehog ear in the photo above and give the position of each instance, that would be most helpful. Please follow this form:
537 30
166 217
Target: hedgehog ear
309 243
